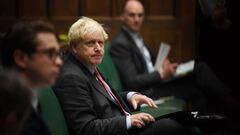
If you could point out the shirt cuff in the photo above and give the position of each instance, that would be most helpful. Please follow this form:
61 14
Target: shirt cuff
160 71
129 96
128 121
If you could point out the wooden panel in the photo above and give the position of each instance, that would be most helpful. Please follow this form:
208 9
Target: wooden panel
118 7
155 35
96 7
33 9
64 8
187 18
171 21
7 9
162 24
161 7
173 24
8 14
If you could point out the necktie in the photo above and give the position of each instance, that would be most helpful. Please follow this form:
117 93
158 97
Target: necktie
109 91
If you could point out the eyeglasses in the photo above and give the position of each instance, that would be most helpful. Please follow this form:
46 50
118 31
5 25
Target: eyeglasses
51 53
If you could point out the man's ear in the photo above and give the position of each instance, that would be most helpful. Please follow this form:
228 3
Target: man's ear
20 58
73 47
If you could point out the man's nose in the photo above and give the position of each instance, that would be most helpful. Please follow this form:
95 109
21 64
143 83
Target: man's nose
97 46
59 61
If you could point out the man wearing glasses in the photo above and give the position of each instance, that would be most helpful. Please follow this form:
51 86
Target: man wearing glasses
31 49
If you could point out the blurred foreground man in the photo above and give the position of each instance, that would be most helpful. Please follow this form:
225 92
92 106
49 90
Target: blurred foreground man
31 49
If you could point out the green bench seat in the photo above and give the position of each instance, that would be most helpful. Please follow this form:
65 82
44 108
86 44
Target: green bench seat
52 112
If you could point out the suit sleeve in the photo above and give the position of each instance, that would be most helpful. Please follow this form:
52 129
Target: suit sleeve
78 104
124 60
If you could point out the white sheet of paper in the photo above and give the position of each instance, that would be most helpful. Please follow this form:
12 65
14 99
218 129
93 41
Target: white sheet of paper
185 68
162 54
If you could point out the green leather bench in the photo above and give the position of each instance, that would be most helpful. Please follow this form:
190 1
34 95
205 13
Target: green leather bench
109 70
52 112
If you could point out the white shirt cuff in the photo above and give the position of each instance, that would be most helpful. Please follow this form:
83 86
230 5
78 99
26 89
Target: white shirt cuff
128 121
129 96
160 71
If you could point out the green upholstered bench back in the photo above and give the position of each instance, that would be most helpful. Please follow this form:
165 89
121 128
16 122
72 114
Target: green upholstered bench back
109 70
52 112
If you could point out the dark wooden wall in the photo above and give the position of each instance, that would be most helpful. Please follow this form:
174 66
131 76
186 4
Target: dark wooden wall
171 21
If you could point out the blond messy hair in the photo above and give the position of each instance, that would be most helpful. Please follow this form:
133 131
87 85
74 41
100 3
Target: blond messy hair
84 26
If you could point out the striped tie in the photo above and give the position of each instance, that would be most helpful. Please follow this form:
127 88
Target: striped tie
109 91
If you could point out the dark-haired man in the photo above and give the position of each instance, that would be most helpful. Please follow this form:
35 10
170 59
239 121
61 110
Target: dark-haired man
31 49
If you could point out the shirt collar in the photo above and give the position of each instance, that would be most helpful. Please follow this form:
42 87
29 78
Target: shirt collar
89 68
34 99
132 34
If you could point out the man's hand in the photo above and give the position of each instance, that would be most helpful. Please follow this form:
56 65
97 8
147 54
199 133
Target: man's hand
138 99
168 69
141 119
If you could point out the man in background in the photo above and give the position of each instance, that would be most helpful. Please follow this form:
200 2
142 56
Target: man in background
134 62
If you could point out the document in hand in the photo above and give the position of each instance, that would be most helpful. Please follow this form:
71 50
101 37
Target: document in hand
185 68
162 55
182 68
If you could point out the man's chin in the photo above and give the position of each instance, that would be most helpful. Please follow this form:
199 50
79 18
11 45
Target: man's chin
136 30
97 62
50 82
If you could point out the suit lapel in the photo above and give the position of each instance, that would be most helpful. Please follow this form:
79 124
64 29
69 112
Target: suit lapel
101 89
132 44
115 93
121 100
134 47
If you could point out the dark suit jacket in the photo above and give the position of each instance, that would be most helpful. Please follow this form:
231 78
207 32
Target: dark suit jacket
87 106
131 65
35 125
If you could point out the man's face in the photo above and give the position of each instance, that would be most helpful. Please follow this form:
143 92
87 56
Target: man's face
133 16
91 49
43 67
